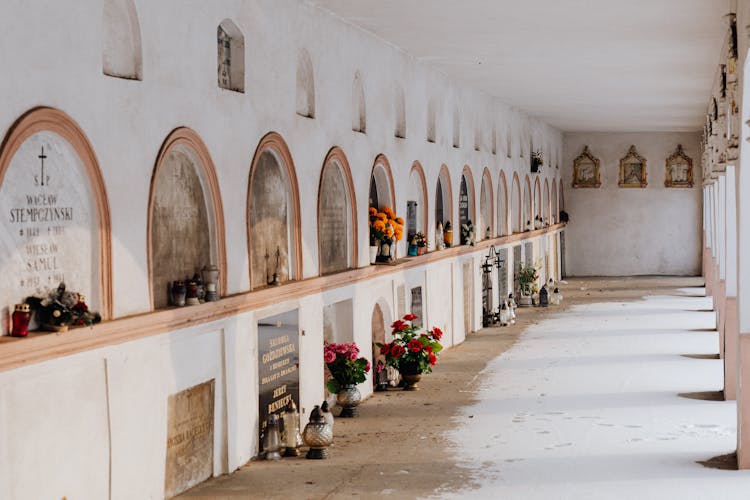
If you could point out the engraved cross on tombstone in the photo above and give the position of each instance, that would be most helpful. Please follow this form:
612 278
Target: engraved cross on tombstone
40 179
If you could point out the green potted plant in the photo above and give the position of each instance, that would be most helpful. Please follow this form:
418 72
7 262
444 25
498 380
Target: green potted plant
527 276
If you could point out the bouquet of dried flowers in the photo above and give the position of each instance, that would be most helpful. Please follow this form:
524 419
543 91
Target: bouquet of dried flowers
60 307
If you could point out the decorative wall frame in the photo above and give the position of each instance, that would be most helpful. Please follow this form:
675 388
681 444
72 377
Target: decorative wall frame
586 170
679 170
632 170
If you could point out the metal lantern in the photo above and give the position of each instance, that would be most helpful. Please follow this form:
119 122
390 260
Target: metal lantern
271 438
512 307
488 314
557 297
291 439
318 435
504 314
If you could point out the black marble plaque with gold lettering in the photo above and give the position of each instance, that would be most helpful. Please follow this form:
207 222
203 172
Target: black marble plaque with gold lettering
278 365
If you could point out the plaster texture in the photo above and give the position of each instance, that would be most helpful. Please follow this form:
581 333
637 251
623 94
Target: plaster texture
618 231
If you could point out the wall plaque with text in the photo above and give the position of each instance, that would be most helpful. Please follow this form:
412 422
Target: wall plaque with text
278 365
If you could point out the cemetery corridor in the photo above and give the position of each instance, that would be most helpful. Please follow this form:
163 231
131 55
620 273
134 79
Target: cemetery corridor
613 395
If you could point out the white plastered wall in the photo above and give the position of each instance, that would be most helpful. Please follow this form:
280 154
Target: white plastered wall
617 231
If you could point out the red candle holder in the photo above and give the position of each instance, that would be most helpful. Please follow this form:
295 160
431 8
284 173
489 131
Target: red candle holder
21 319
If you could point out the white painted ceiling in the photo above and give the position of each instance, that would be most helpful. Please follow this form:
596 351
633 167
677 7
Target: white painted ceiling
579 65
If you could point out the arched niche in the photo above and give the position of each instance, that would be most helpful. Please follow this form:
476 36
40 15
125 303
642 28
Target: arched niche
185 215
537 207
382 191
516 204
443 198
273 214
561 199
431 120
508 143
337 217
416 205
494 139
456 128
478 137
231 56
485 225
121 45
528 211
359 111
466 203
57 226
545 202
381 317
305 104
502 206
555 206
400 111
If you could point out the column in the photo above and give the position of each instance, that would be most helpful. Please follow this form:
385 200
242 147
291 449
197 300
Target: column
731 329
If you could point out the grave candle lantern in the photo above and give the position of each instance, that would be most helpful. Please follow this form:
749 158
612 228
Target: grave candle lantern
21 318
211 280
318 435
192 294
271 440
291 438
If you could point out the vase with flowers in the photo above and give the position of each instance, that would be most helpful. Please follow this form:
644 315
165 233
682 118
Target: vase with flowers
527 277
58 309
412 351
347 369
385 230
421 242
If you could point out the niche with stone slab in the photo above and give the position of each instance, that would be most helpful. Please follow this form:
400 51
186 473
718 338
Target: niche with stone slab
337 235
183 232
273 216
56 227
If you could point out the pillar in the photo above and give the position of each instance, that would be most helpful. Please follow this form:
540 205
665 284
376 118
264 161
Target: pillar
731 328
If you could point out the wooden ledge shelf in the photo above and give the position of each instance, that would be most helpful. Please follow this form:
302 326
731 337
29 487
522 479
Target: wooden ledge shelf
42 346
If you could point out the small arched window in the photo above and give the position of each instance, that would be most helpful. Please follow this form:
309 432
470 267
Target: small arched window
231 56
400 104
121 49
431 121
359 118
305 85
456 129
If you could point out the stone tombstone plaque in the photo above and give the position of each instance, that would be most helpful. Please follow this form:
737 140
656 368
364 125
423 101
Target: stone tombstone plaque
50 228
334 216
463 202
416 306
190 438
411 218
503 278
468 278
181 230
401 300
528 249
516 268
278 366
270 221
439 217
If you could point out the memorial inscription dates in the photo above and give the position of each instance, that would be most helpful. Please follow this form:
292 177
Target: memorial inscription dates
278 366
49 228
190 438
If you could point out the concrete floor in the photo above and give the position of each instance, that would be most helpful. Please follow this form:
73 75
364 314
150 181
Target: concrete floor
585 405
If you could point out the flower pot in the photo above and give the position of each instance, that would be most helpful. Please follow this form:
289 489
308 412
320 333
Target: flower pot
421 250
413 250
411 381
348 398
524 300
373 253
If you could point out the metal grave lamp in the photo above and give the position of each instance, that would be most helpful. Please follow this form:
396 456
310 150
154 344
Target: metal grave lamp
271 439
544 297
318 435
557 297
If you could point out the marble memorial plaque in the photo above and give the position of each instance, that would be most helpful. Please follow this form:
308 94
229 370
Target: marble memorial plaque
50 227
401 300
468 289
278 366
411 218
416 306
190 438
463 203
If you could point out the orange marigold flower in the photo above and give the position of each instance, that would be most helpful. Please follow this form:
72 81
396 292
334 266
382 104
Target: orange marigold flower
399 221
382 216
373 211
